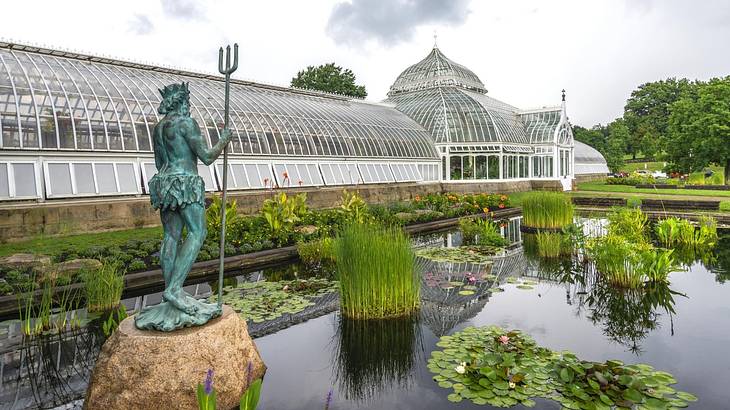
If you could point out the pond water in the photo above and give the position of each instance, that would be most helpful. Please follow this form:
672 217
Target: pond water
382 364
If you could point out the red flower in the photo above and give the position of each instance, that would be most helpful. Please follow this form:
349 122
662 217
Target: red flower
286 175
501 205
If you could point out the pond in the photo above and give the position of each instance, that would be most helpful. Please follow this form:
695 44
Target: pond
382 364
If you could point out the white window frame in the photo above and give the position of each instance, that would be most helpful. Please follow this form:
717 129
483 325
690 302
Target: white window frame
11 178
74 190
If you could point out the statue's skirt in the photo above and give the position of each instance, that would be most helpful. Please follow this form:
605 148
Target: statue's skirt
173 191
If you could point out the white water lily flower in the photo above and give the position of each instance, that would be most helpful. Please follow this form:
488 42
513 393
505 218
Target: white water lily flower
512 385
461 368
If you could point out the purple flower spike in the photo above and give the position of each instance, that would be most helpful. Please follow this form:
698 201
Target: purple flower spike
208 386
249 373
328 401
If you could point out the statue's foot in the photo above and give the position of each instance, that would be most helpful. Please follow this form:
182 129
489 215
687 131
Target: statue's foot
179 300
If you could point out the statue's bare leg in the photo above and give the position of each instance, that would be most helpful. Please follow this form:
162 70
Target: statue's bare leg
193 216
172 224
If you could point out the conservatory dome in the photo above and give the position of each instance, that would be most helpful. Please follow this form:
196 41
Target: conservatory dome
433 71
588 160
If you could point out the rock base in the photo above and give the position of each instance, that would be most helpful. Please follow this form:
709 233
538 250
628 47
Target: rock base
143 369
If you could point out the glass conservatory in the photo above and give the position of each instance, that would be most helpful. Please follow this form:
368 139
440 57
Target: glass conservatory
77 125
479 137
588 161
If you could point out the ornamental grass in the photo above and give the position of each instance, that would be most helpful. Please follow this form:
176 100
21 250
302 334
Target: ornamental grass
104 286
547 210
377 273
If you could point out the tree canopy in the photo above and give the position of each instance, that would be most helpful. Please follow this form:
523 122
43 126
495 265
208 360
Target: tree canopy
609 140
329 78
699 127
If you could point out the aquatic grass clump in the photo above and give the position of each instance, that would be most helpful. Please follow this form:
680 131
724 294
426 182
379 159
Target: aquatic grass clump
674 231
552 210
104 286
627 264
631 223
481 231
377 272
551 245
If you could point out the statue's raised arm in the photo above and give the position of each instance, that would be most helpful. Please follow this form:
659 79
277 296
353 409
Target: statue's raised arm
200 148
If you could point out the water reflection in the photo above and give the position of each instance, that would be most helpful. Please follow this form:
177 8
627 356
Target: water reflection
375 356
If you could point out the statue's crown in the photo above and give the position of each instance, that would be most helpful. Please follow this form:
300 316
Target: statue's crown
175 90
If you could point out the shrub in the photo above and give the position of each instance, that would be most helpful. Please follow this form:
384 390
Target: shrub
630 223
317 252
136 265
376 271
629 264
281 213
633 179
213 218
547 210
353 208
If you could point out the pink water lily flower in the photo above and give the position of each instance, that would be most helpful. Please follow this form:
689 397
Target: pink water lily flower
504 339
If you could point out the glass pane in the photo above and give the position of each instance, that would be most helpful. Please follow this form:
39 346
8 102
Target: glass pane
84 179
481 167
351 174
254 179
150 169
204 173
493 167
327 172
455 169
397 172
24 175
280 170
127 179
468 167
314 174
59 176
303 175
265 173
4 183
240 174
105 178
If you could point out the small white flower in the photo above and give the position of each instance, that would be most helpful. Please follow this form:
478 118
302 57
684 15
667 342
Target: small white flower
461 368
512 385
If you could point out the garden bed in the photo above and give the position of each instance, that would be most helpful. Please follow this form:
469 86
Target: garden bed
709 187
657 186
681 205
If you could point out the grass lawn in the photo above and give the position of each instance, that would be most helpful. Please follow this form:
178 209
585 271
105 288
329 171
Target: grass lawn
54 245
600 186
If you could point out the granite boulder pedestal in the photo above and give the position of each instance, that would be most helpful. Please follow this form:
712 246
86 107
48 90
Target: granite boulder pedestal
143 369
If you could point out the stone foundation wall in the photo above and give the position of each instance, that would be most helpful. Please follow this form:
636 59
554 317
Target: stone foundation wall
589 177
20 221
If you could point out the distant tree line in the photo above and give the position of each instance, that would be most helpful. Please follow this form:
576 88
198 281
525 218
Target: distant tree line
685 123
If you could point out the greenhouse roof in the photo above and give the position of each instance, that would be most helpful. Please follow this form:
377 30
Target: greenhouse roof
433 71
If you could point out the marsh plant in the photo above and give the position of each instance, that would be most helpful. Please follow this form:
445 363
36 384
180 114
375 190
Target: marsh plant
375 355
282 212
54 312
481 232
628 264
377 273
353 208
551 245
104 286
319 252
206 394
680 232
629 223
552 210
213 218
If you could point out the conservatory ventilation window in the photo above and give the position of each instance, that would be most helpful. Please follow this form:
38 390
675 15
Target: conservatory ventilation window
340 174
87 178
246 175
149 170
297 174
18 180
376 173
406 172
429 172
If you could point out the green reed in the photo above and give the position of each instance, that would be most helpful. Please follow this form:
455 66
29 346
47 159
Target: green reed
53 312
104 286
630 223
547 210
628 264
674 231
551 245
377 273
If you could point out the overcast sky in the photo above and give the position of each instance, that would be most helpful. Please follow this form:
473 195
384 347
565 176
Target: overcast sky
525 52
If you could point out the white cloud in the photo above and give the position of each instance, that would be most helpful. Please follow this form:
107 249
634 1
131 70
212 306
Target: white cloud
525 52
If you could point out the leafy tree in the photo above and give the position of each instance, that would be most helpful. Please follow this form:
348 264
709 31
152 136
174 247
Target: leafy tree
329 78
647 114
618 135
699 128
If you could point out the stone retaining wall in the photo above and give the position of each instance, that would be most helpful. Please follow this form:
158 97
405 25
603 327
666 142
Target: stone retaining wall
20 221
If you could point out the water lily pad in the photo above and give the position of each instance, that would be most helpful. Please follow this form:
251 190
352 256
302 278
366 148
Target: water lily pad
495 290
524 287
466 292
472 254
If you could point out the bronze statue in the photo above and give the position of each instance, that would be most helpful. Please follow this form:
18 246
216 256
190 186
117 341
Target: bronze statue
179 193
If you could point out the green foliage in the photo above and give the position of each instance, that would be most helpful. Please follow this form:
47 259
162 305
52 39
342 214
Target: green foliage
213 218
250 399
482 232
329 78
281 213
263 301
489 365
113 320
104 286
552 245
317 252
610 141
699 127
547 210
630 223
352 208
674 231
633 179
377 274
628 264
40 317
459 254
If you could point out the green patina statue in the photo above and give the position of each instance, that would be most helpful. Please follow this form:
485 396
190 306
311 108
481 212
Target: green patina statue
179 193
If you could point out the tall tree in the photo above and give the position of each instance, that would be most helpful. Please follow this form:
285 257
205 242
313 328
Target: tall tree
647 114
330 78
618 134
699 128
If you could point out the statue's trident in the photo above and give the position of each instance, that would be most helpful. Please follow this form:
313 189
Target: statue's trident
228 70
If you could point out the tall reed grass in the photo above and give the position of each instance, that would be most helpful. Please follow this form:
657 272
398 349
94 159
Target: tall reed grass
551 245
54 312
104 286
377 273
631 223
547 210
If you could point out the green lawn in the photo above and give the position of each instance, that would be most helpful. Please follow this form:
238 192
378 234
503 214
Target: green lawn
54 245
600 186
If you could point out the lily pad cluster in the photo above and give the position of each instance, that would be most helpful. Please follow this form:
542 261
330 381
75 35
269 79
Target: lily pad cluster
489 365
459 254
264 301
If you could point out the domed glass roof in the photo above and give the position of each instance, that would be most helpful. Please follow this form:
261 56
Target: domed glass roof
434 71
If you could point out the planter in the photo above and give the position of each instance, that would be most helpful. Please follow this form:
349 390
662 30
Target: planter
709 187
